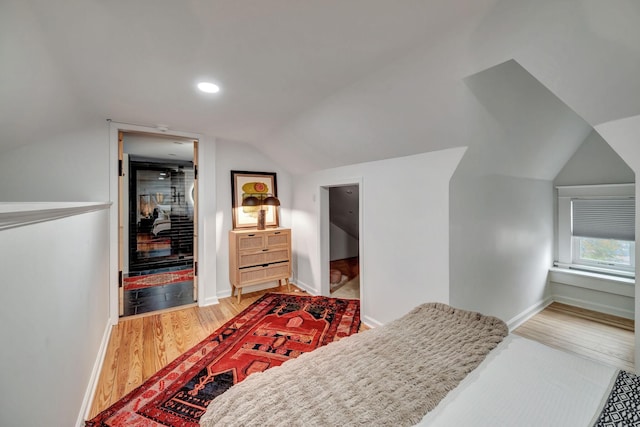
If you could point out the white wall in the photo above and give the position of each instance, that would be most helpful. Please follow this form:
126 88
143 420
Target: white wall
239 156
405 238
207 221
595 162
56 276
604 302
502 193
342 245
605 294
67 167
623 136
501 243
54 317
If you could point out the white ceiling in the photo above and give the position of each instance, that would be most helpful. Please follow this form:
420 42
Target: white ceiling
158 147
315 84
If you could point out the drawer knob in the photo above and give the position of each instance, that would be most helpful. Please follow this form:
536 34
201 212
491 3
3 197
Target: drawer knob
265 250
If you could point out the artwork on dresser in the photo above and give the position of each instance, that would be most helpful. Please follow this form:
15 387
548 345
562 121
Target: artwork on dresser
253 184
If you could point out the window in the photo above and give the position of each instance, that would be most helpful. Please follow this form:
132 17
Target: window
604 253
596 228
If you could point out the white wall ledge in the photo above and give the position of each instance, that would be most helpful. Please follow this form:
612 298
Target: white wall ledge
14 214
596 281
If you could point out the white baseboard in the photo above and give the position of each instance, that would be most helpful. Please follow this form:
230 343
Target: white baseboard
90 392
602 308
370 322
210 301
308 289
527 314
223 294
537 308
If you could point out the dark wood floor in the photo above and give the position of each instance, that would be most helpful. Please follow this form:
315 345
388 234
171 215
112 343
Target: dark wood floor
156 298
159 297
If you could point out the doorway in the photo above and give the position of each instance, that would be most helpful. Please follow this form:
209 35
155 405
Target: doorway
158 217
343 230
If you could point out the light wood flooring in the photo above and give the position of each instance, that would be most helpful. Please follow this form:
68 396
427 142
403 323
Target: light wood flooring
602 337
139 347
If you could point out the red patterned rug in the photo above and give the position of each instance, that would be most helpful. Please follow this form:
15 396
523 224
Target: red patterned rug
274 329
157 279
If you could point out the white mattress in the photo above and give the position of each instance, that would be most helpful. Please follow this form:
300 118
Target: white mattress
524 383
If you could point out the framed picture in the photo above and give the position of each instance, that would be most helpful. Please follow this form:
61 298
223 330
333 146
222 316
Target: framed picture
257 184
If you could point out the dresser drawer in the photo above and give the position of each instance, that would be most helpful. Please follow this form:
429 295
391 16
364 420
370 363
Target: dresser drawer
278 238
250 241
251 258
259 256
262 274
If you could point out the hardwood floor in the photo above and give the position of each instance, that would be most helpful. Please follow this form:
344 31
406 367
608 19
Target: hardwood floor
602 337
141 346
165 292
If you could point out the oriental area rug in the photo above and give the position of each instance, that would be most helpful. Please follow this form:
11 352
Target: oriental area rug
274 329
157 279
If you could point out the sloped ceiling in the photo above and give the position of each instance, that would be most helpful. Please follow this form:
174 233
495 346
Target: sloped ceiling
313 84
344 208
527 131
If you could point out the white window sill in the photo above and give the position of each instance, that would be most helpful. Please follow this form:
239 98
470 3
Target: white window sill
596 281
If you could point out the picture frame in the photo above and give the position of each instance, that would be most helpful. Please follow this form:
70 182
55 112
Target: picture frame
241 187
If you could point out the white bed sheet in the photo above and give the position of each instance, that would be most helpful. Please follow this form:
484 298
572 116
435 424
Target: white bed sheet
524 383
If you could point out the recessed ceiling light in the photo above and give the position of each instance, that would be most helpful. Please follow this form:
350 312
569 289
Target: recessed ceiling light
208 87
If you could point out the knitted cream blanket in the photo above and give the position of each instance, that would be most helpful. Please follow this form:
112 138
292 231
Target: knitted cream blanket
388 376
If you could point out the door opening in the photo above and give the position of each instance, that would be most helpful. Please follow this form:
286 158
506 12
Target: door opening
343 241
158 219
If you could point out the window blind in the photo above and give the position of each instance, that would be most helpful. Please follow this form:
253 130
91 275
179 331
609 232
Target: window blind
604 218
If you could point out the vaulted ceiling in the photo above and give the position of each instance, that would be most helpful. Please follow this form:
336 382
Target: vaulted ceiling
316 84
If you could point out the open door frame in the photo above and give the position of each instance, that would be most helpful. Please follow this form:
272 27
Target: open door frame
114 228
324 233
195 220
121 223
123 200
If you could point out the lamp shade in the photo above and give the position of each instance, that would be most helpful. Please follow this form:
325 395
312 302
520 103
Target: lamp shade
271 201
251 201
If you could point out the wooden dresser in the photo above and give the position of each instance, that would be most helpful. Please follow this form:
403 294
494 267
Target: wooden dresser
259 256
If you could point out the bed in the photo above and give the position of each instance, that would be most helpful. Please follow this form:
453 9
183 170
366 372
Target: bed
162 219
160 225
525 383
435 366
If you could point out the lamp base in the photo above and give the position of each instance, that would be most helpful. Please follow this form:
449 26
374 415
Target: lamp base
262 215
